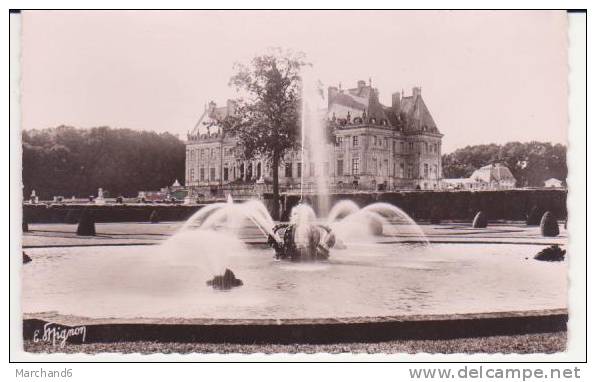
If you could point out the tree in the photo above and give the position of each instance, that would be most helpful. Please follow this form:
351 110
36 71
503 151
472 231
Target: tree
266 121
531 163
69 161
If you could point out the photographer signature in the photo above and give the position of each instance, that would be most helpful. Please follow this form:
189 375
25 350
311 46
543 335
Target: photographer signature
57 334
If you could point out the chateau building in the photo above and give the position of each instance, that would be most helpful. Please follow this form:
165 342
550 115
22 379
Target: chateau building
372 147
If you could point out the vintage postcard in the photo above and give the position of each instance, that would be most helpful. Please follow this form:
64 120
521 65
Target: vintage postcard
360 182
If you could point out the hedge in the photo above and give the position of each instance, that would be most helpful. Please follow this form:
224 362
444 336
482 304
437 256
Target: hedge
448 205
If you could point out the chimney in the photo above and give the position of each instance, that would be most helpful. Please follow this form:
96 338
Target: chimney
396 102
331 93
361 84
231 107
416 91
211 108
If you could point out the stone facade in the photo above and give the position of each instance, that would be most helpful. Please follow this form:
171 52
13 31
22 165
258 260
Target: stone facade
372 147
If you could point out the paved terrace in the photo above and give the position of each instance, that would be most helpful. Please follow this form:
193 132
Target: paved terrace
58 235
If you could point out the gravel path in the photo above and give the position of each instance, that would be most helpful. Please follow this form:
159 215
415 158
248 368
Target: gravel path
529 343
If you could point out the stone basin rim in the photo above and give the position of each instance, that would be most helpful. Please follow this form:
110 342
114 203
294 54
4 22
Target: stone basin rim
72 320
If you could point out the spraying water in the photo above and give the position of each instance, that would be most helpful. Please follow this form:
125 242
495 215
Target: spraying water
314 140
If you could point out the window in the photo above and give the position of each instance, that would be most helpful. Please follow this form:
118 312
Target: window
249 171
386 167
426 170
212 173
192 174
299 169
355 166
401 170
212 153
225 173
288 172
425 147
202 174
338 141
410 171
374 166
355 141
375 140
340 167
311 169
202 153
401 147
394 144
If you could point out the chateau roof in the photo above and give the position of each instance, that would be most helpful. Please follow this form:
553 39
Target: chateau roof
211 116
411 114
417 113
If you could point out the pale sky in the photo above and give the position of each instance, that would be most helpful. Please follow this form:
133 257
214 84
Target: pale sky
486 76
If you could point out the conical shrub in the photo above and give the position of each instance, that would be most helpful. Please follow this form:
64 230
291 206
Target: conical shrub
154 218
480 220
533 217
86 225
549 225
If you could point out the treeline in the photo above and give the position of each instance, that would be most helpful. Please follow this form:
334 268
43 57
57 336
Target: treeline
69 161
531 163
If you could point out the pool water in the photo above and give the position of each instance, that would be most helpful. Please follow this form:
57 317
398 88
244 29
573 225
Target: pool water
374 279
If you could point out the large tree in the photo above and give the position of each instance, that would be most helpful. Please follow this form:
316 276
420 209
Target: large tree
266 120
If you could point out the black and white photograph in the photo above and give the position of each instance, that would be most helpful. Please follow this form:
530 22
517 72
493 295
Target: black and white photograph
237 182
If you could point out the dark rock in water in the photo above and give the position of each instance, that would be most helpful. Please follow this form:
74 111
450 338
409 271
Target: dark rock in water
26 258
552 253
534 216
549 225
86 225
480 220
226 281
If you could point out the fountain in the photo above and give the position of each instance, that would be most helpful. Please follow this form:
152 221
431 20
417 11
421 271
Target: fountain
305 237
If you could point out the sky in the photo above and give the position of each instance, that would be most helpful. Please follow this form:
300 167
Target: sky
486 76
